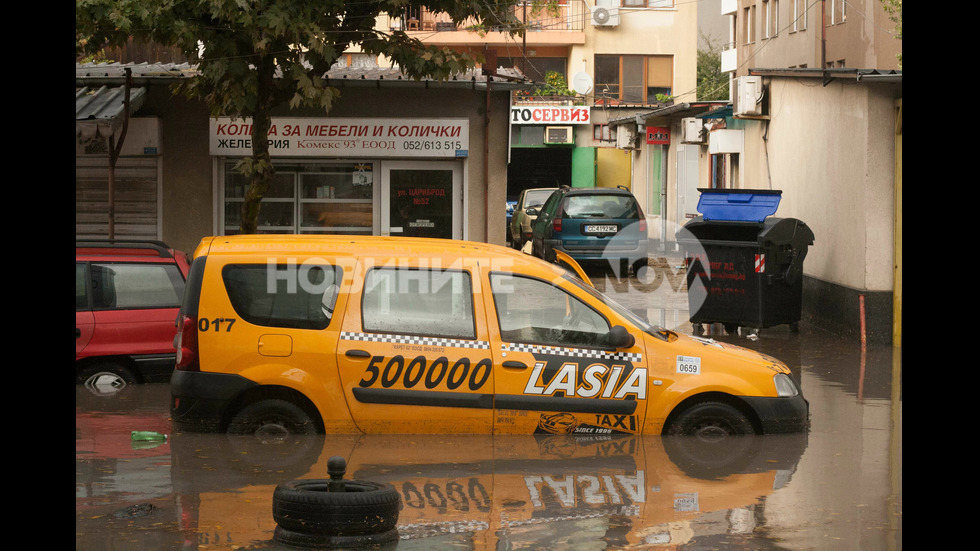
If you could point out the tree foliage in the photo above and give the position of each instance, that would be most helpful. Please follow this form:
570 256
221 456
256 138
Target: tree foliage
253 55
712 83
893 8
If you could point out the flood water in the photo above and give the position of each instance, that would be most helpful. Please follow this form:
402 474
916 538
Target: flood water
838 486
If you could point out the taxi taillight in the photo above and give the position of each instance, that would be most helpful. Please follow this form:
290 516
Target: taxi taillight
187 357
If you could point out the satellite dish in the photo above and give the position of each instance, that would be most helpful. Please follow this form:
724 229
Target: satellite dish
582 83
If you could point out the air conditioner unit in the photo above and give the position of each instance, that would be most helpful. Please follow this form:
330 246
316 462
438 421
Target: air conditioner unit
625 138
558 135
605 16
692 130
748 96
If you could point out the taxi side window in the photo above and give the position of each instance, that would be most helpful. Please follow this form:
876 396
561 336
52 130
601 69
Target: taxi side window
408 301
534 311
287 295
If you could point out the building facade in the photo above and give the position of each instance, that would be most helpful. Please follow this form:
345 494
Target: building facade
393 157
611 58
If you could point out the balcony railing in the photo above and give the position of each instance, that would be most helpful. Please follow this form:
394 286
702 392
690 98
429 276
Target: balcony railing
571 15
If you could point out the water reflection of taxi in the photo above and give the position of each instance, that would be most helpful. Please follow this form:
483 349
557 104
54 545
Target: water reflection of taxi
482 491
394 335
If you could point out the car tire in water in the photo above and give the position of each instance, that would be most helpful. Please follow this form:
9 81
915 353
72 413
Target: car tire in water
363 509
106 375
272 418
302 540
711 419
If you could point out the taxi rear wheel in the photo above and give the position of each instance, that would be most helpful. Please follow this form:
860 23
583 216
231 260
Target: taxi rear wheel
709 420
271 419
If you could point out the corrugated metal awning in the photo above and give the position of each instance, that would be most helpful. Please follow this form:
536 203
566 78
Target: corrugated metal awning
99 112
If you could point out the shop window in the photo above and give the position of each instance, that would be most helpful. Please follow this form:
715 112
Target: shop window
307 198
527 135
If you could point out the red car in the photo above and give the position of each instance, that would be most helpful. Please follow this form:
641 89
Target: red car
127 294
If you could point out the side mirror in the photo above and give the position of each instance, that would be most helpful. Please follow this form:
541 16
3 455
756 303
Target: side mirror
531 211
619 337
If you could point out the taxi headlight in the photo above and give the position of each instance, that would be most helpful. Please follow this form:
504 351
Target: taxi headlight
784 385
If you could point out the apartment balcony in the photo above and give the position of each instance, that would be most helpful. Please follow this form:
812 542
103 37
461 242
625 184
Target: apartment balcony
563 27
729 58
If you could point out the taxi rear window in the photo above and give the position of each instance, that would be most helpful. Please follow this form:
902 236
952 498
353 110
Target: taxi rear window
424 302
287 295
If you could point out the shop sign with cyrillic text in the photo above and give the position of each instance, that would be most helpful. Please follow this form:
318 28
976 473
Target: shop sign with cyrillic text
329 137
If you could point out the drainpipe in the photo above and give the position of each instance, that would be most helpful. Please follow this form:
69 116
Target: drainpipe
823 35
486 157
115 147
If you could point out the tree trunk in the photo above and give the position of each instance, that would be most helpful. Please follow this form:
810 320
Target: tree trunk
262 171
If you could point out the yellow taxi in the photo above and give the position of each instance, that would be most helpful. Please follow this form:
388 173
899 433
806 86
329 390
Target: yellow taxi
312 334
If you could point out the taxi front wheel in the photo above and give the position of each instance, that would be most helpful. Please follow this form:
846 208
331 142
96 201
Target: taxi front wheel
709 420
272 418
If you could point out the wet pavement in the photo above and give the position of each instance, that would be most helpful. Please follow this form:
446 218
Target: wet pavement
838 486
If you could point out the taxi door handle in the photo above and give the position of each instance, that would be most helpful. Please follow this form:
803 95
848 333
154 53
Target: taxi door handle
357 354
515 365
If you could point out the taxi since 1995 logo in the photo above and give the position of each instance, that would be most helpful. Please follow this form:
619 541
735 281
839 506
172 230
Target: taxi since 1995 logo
588 397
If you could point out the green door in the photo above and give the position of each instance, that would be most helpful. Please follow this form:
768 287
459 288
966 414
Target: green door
583 167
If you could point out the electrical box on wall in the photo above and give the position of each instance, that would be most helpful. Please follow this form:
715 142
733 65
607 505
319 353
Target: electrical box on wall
748 96
692 130
625 138
559 135
725 141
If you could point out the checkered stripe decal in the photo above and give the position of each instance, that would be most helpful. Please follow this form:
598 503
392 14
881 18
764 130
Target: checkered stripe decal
412 339
575 352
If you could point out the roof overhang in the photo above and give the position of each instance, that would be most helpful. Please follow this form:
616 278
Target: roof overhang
669 113
97 74
827 75
100 112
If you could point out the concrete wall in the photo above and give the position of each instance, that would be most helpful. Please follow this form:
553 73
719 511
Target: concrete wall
831 150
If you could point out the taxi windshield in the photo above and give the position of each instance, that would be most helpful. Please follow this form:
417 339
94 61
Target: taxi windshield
655 330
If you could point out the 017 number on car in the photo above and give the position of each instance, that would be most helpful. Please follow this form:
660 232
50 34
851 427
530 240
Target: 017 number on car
216 324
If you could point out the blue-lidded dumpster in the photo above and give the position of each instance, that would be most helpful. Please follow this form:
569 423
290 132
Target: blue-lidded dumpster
744 266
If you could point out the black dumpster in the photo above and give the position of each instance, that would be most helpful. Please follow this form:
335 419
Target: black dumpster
744 267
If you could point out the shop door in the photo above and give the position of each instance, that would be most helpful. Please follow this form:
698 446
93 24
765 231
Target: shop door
421 199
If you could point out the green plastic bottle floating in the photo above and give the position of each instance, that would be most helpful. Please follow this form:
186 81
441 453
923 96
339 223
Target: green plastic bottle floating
148 436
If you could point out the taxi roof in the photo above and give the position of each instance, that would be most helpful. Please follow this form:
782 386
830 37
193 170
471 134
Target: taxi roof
365 246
